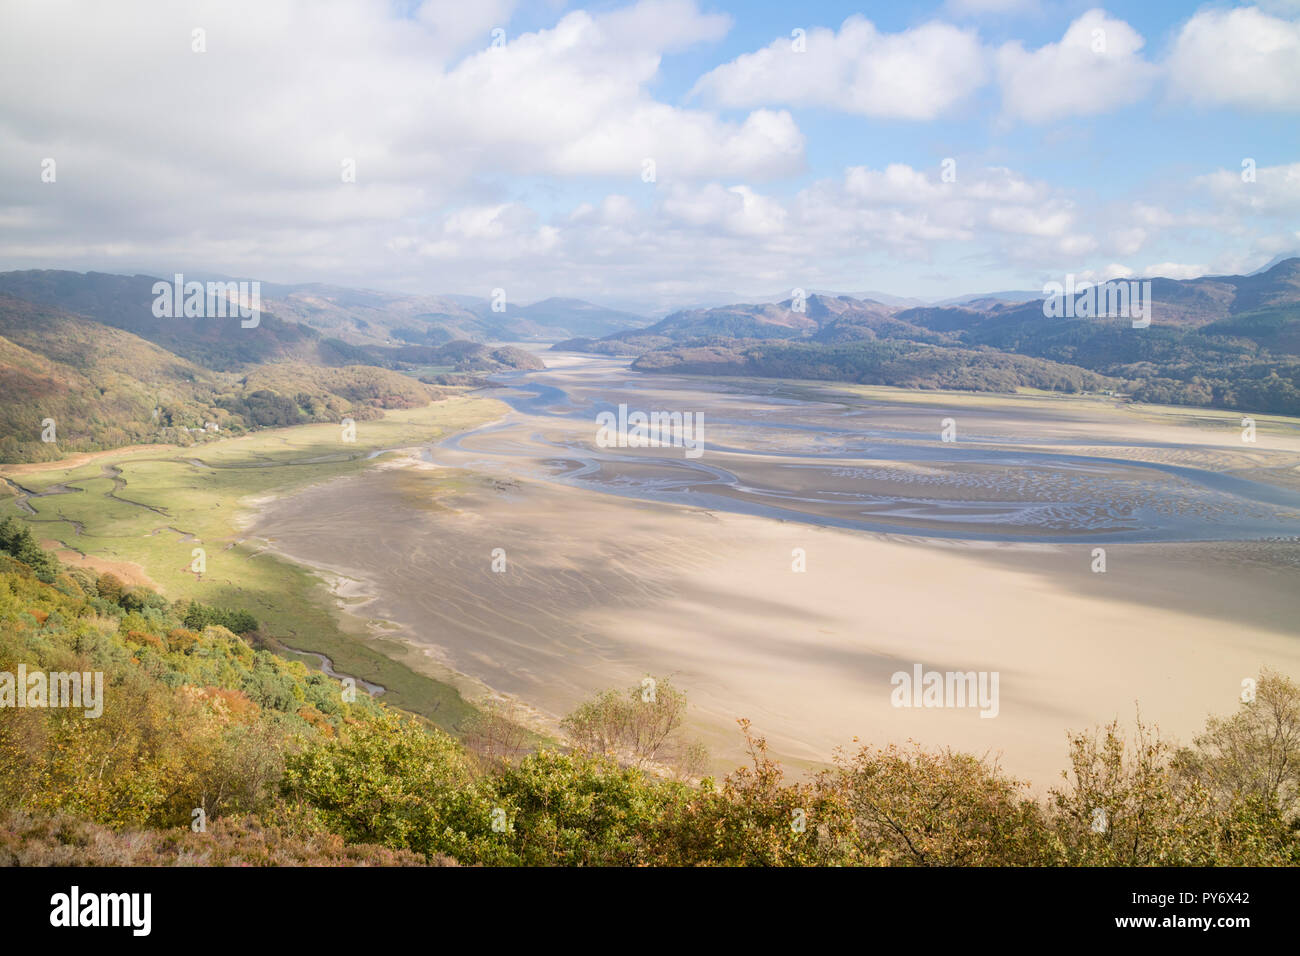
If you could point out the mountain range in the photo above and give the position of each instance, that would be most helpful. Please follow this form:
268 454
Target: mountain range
316 322
1218 341
88 351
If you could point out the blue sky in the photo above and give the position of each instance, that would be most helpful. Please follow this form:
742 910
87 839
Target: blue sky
1094 140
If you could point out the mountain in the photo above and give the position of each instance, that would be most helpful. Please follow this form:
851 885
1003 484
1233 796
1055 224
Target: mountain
1295 253
313 323
563 318
883 298
774 320
105 387
366 317
989 299
1184 303
1219 341
901 364
126 302
455 357
99 385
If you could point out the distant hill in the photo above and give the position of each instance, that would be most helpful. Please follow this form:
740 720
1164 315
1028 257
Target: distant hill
901 364
364 317
1294 254
1225 341
775 320
316 323
458 356
126 302
989 299
105 387
564 318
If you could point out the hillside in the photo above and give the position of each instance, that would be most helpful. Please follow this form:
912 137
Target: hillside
221 344
1219 341
564 318
282 768
460 355
900 364
366 317
315 323
105 387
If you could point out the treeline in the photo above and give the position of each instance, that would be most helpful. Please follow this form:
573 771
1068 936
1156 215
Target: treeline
1194 352
280 766
1247 362
461 355
880 362
103 387
97 414
1161 366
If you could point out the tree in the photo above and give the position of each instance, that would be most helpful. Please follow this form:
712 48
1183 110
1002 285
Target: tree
920 808
756 818
388 781
497 733
557 809
16 540
639 727
1124 805
1256 751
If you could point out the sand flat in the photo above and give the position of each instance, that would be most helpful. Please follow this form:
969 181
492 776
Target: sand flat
973 556
601 590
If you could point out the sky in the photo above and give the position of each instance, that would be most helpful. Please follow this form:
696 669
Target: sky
650 155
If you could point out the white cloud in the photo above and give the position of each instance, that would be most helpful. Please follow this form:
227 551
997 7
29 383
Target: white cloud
1275 190
148 132
1113 271
737 211
1175 270
1095 68
1239 58
684 237
917 74
897 183
522 166
1128 240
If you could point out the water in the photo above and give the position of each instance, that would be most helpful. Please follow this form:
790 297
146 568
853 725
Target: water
856 463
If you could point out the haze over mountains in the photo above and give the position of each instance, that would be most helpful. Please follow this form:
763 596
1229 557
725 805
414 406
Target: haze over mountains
1179 302
1221 341
87 350
351 316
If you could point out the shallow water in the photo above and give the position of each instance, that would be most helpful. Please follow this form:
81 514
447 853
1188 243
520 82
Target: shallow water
857 463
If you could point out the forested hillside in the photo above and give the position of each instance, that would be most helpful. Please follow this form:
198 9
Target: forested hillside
104 387
897 363
211 751
1218 341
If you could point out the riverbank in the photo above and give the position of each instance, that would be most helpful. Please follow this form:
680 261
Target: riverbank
600 591
177 500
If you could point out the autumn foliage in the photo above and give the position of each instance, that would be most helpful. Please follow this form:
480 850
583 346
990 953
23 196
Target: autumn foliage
280 769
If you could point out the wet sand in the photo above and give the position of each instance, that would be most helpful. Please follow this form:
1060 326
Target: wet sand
603 588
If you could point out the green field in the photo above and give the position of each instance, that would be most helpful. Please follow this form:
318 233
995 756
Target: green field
154 506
